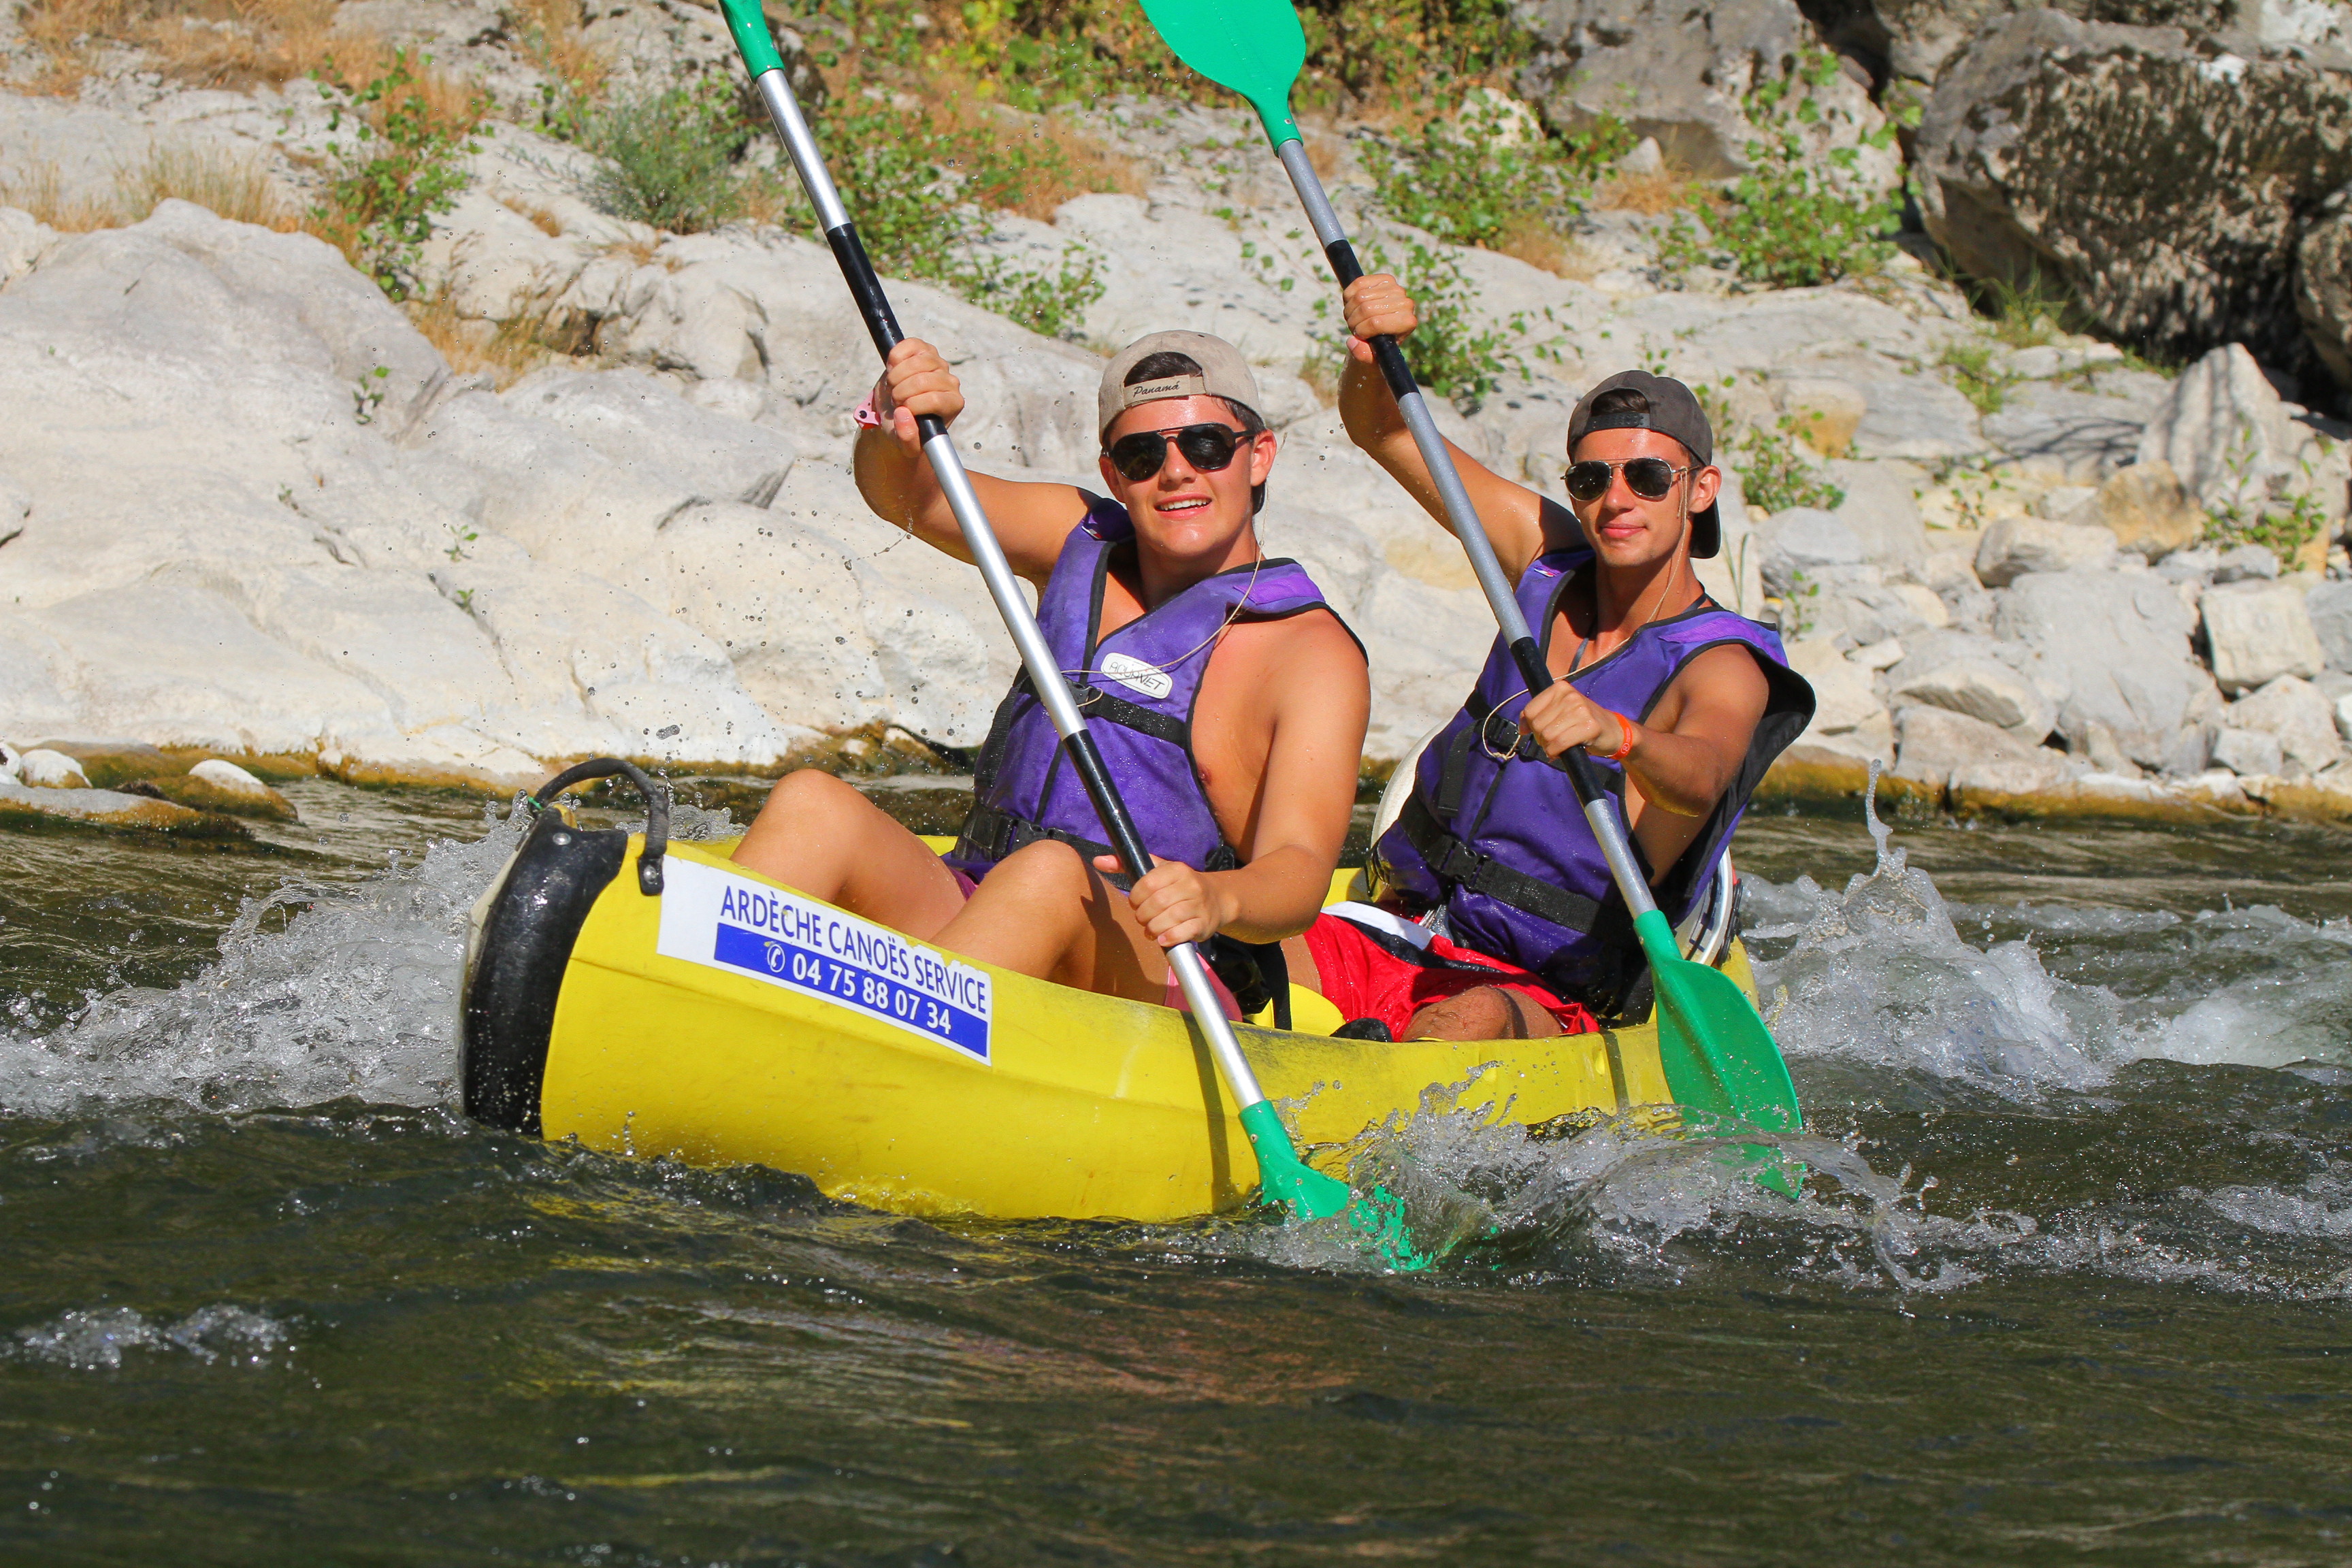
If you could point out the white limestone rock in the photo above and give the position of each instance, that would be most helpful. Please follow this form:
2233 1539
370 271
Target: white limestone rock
2116 643
2298 715
2329 605
2235 442
2258 631
2249 753
1985 691
1844 699
1936 744
2014 546
41 768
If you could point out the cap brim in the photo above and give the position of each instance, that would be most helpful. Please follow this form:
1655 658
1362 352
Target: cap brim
1707 533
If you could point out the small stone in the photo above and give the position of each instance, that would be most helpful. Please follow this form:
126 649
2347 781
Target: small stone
1883 654
1843 695
2189 754
218 785
1645 159
1935 742
2257 632
2060 503
2147 509
2245 564
1993 694
2294 710
2249 753
2017 545
2329 604
43 768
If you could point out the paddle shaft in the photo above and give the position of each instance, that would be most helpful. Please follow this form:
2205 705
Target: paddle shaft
1045 671
1600 810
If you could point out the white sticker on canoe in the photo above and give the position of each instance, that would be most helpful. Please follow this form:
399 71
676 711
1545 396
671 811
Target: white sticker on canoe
732 922
1137 676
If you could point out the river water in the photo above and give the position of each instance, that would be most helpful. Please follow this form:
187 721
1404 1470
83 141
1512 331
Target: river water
2068 1282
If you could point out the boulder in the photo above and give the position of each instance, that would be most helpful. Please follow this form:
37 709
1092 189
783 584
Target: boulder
2058 150
1935 744
2329 605
22 807
2256 632
2323 286
42 768
2117 645
2249 753
2295 711
2016 545
2066 433
1882 509
1808 542
2148 509
110 764
2244 564
1986 692
2238 446
1843 697
216 786
1679 74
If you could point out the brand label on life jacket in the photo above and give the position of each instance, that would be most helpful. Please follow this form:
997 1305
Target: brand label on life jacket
1137 676
723 919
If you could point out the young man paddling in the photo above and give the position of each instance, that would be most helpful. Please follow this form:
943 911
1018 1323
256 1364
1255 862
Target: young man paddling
1229 700
1680 703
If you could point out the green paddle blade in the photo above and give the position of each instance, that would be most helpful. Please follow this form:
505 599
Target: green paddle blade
1719 1059
1254 48
1283 1178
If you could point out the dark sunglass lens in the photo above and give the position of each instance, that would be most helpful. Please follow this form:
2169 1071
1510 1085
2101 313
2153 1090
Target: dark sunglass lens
1650 477
1207 448
1587 481
1139 457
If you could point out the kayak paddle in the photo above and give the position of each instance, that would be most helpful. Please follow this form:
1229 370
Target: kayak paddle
1719 1058
1283 1177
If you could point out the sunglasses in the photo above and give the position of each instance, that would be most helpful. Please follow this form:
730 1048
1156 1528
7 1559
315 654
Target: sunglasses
1209 448
1649 478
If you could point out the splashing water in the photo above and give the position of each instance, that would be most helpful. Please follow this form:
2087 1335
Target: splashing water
355 995
99 1339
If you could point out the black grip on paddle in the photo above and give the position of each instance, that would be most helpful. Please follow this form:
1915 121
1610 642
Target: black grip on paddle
1344 264
1087 757
1574 761
1385 352
864 287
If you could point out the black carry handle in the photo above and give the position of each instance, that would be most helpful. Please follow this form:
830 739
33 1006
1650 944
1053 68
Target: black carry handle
656 797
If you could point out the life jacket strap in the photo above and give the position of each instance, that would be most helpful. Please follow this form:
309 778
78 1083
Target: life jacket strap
1457 863
1096 703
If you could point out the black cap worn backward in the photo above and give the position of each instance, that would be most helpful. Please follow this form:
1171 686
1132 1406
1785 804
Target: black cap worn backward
1662 403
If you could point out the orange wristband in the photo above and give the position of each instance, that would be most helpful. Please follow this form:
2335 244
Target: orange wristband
1626 738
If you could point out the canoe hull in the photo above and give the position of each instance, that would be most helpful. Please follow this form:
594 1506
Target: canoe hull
1085 1106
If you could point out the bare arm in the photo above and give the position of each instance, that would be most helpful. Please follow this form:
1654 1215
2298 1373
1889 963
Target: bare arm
1321 699
1031 520
1514 515
1683 759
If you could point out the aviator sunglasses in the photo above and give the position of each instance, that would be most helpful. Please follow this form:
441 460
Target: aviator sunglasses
1207 447
1649 478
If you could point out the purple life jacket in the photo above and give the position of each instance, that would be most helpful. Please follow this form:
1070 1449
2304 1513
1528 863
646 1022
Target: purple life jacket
1137 688
1503 845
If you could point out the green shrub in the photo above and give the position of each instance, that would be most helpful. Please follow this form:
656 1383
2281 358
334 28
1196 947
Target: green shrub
1774 476
404 166
1054 303
1971 362
1464 180
1457 352
670 156
1785 224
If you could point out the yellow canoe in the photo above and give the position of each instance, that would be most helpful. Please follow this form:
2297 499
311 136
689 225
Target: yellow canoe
726 1019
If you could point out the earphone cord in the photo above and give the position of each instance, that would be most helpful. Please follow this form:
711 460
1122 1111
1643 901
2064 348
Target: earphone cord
1223 626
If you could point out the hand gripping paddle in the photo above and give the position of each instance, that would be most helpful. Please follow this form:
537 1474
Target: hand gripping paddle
1719 1059
1283 1176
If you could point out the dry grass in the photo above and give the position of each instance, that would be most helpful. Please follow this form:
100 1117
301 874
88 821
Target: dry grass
235 186
546 222
551 41
1661 189
507 351
231 44
1539 244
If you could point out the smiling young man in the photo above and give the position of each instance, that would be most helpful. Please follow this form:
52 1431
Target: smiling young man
1514 926
1229 700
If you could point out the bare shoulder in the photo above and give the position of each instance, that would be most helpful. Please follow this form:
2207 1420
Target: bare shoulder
1313 641
1722 681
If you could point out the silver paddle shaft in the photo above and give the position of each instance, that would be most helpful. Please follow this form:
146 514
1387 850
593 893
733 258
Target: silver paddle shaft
1044 670
1600 810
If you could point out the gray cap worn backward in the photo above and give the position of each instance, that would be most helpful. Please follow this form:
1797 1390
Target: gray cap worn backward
1223 373
1665 405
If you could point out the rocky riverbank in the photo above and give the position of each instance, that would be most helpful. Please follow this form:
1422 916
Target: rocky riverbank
253 510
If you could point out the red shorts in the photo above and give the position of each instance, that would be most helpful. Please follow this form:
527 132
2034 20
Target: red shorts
1372 974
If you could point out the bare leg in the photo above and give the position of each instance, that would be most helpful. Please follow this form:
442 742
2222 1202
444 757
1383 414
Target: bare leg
1045 912
1489 1013
823 838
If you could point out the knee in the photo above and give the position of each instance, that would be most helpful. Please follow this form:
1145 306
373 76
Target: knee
1485 1014
809 795
1048 866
